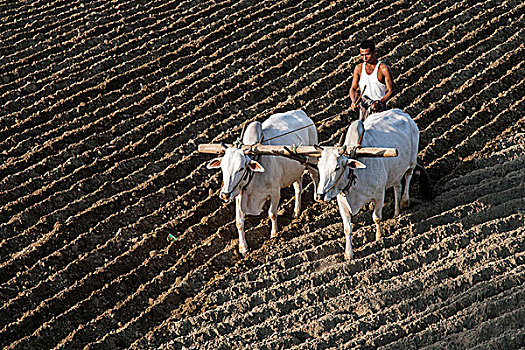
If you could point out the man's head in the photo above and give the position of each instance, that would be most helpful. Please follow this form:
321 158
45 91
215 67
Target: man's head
367 50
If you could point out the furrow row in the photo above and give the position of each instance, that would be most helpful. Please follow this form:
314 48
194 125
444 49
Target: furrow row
431 304
19 29
470 116
518 202
507 307
284 269
107 178
128 17
126 46
405 264
128 98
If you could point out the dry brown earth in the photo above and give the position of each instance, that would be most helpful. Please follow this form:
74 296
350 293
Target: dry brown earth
104 103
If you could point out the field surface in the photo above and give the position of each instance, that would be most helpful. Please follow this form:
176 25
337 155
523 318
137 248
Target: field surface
103 104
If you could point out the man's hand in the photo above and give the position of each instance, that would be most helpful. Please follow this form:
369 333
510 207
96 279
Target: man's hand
377 106
353 106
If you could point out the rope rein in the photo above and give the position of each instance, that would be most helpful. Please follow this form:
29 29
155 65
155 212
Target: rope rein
302 127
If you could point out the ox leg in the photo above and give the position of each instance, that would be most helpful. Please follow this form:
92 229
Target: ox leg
298 187
377 215
347 225
405 200
314 175
272 212
397 198
239 222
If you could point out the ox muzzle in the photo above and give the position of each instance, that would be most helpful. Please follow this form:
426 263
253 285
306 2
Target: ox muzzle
226 196
322 197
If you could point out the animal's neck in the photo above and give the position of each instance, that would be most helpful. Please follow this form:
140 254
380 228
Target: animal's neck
356 194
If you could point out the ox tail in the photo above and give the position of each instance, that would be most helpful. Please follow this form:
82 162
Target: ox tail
425 187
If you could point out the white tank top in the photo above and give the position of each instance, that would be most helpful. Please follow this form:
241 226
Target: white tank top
374 88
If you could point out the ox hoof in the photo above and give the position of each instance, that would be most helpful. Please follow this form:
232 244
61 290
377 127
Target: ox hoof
349 256
405 204
274 235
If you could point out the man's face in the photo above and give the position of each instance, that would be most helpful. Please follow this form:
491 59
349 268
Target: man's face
367 54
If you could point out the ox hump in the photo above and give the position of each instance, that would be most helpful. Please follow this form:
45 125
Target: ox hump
354 132
253 133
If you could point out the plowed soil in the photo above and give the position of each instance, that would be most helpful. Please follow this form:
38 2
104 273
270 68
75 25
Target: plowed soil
103 104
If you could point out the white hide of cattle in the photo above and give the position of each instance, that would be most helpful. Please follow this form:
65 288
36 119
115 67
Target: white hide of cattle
392 128
269 173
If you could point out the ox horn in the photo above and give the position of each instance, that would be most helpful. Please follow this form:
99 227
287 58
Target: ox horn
243 130
338 144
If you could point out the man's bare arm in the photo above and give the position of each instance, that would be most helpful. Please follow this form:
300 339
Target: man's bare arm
355 85
389 82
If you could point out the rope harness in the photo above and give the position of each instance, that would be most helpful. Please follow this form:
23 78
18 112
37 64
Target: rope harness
351 180
250 174
302 127
247 174
351 176
294 156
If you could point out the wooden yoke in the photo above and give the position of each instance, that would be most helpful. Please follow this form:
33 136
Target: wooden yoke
309 151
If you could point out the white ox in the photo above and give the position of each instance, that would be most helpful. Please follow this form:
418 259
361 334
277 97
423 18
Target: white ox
251 182
356 183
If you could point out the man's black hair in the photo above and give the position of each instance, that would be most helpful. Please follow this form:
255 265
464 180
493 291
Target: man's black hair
368 44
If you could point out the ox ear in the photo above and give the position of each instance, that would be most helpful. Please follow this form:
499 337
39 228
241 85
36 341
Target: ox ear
214 163
255 166
355 164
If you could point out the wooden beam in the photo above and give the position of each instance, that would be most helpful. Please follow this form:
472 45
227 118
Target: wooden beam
310 151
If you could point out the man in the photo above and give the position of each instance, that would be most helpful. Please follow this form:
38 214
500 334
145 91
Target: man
376 77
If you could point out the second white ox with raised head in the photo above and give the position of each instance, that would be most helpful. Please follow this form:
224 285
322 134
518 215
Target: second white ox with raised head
356 183
251 182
